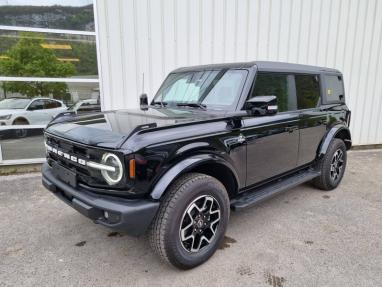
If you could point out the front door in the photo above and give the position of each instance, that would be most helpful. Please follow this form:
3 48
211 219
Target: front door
272 141
272 146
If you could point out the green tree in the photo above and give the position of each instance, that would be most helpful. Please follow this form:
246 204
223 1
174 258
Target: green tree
27 58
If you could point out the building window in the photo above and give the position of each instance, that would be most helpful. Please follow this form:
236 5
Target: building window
48 64
63 14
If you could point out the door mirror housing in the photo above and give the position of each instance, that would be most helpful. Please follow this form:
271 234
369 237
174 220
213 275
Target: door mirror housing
262 105
143 102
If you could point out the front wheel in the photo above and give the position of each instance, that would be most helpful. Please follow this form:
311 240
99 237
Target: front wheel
332 166
191 221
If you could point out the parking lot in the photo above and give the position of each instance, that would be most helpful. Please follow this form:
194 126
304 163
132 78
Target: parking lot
304 237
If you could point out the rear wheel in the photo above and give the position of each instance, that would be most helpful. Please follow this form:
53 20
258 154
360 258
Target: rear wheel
191 222
332 166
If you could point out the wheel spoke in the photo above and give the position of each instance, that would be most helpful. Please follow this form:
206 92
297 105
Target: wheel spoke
184 230
336 165
199 223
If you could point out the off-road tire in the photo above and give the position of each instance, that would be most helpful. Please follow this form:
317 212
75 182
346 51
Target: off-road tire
325 181
164 233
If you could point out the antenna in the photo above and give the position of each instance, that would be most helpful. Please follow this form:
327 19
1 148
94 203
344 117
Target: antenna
143 83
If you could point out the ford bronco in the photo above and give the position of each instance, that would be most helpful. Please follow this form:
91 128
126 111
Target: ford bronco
214 138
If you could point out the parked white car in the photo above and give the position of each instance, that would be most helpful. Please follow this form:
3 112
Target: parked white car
23 111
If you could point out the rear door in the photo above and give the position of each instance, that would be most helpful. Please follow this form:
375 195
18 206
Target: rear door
52 108
313 120
272 141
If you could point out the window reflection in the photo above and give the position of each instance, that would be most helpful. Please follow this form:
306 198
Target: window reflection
52 14
278 85
20 104
21 143
31 54
307 90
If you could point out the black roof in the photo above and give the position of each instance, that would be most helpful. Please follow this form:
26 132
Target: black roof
266 66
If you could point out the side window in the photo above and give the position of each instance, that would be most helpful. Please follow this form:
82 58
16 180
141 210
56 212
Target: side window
36 105
279 85
50 104
307 91
334 90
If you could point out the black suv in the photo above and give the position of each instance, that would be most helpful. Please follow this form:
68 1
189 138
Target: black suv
214 138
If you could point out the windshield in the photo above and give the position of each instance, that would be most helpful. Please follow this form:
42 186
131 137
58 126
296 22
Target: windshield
75 106
216 89
14 104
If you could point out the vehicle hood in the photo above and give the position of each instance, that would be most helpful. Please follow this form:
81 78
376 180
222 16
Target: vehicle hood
111 129
10 112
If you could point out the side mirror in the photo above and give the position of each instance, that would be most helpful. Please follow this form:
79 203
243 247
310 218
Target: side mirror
143 102
262 105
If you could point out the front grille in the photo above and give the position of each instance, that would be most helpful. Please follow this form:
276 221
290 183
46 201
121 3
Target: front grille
80 152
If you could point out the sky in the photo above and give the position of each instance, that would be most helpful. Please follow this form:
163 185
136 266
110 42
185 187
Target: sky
46 2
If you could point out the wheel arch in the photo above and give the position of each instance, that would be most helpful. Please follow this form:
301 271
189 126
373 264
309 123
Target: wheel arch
20 118
207 164
339 131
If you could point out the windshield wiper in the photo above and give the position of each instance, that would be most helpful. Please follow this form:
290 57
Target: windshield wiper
192 105
159 103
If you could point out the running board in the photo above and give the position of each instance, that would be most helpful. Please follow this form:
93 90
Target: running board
262 193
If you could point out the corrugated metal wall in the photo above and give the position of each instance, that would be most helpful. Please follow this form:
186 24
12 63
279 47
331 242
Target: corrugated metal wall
153 37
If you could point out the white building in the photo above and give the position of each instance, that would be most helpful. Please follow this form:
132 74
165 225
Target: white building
153 37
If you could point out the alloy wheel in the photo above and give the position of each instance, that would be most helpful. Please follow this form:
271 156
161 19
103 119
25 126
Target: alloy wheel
336 165
199 223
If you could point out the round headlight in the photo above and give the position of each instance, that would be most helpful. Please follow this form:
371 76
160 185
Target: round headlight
112 177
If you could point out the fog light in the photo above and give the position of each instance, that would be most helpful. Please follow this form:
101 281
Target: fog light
106 214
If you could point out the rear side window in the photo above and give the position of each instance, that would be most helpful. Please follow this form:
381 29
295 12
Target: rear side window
334 91
307 91
279 85
50 104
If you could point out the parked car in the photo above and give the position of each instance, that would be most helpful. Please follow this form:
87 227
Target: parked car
214 138
81 107
24 111
86 106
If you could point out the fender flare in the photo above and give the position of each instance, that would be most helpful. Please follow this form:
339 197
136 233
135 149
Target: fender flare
182 167
330 135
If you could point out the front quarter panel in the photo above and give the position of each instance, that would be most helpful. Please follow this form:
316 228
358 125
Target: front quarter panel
160 156
184 166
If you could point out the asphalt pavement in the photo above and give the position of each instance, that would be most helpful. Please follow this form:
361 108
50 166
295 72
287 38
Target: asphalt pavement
304 237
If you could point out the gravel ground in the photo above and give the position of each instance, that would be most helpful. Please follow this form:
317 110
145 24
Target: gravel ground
304 237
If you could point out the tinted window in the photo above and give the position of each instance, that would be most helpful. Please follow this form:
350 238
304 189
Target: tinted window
279 85
50 104
36 105
334 91
307 90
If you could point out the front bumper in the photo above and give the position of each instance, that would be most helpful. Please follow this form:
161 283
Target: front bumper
132 216
5 122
